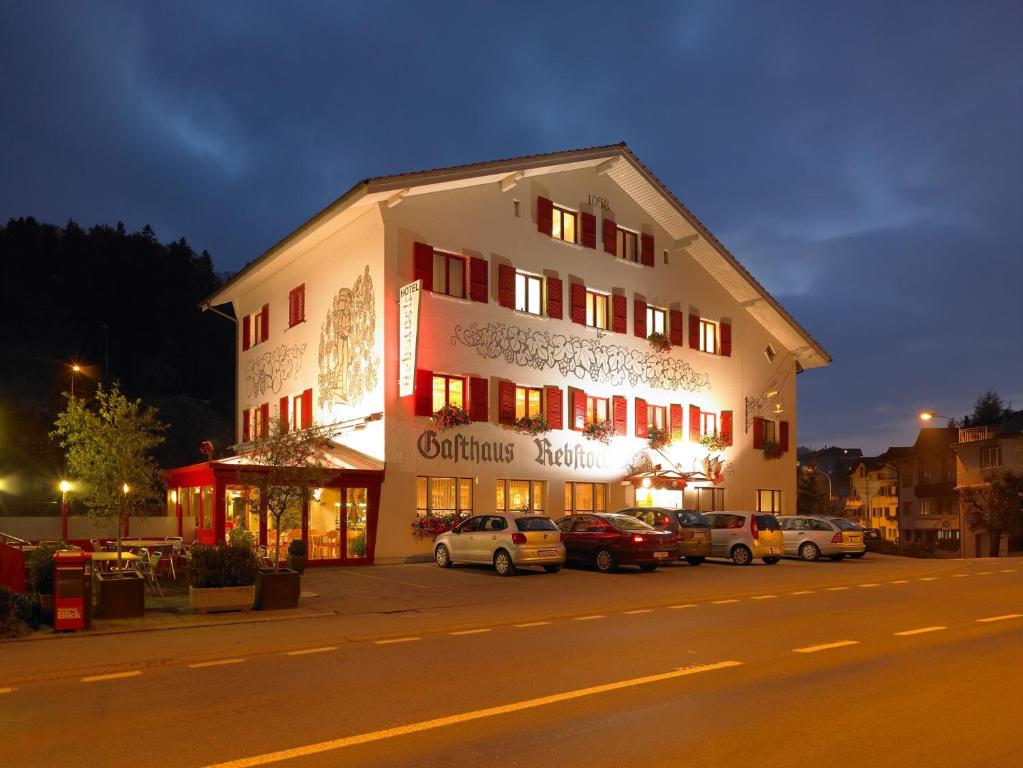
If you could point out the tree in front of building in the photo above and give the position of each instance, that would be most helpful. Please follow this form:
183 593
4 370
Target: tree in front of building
997 506
812 497
281 468
108 443
989 409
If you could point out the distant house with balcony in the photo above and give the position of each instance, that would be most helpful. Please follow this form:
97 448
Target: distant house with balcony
928 507
874 496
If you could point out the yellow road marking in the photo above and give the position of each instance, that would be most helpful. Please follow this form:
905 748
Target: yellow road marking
589 618
111 676
960 575
396 640
533 624
765 597
725 602
802 592
687 605
983 573
639 610
304 651
469 632
217 663
441 722
826 646
922 630
1006 617
1007 570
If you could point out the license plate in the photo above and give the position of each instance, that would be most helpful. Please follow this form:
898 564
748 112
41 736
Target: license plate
548 553
660 554
775 550
700 536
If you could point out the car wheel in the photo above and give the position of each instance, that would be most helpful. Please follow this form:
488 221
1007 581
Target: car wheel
605 561
552 568
741 555
809 552
442 556
503 564
695 560
856 555
835 558
771 560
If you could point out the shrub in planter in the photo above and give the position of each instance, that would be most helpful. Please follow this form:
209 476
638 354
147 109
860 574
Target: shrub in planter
772 451
357 546
40 578
297 555
240 537
713 443
222 578
11 622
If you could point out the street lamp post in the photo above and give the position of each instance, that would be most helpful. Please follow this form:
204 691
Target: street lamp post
64 486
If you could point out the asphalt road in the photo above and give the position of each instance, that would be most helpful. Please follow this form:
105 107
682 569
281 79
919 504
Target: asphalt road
881 661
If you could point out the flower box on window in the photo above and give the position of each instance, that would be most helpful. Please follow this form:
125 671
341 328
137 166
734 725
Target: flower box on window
772 450
713 443
430 525
658 438
601 431
449 417
659 342
532 425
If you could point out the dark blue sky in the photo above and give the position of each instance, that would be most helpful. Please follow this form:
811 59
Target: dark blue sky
864 160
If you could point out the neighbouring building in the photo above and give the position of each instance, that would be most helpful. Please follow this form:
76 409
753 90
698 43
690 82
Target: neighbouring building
928 507
835 464
874 496
509 289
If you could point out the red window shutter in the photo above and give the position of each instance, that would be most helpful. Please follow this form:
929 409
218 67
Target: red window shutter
247 332
589 230
641 417
646 250
758 433
282 413
506 286
726 427
422 264
506 402
678 333
555 408
544 216
675 412
291 307
246 426
307 409
639 318
555 298
578 398
620 414
619 314
265 331
783 436
695 425
300 309
726 339
578 307
264 418
423 393
479 285
479 404
694 331
610 237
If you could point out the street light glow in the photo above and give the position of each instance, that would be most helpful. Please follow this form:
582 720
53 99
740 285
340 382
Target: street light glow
125 489
64 486
926 416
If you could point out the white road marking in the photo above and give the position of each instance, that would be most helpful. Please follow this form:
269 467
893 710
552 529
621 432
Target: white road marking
589 618
837 589
899 581
111 676
1007 570
825 646
921 631
396 640
638 611
7 690
533 624
725 602
764 597
960 575
802 592
928 578
687 605
305 651
983 573
469 632
479 714
869 585
217 663
1006 617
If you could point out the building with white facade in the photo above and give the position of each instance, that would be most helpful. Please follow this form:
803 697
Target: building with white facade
539 280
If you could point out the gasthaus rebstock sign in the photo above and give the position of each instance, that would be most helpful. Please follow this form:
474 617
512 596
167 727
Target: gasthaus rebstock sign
408 336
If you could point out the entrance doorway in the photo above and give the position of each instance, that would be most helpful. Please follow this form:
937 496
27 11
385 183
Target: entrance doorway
337 526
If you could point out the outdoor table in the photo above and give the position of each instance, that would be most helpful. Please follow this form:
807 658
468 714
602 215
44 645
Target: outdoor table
149 543
111 557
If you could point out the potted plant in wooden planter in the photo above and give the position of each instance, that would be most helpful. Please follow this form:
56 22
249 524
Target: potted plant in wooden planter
222 578
297 555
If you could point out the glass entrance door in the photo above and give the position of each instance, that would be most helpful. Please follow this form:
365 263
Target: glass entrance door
337 524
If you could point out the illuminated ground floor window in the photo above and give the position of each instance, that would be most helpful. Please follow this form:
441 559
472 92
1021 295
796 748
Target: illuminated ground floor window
769 501
585 497
710 499
521 496
444 496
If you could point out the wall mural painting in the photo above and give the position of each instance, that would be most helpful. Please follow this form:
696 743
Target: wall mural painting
348 365
269 371
572 355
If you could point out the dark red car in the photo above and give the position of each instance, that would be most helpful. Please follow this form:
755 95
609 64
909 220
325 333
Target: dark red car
608 540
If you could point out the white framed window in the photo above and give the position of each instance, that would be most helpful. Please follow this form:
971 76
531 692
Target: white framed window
528 293
527 496
596 309
449 274
991 457
581 498
925 506
710 499
565 224
708 336
768 500
627 244
656 320
528 402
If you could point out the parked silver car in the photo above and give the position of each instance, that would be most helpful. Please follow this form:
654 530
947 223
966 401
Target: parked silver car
742 536
506 541
811 537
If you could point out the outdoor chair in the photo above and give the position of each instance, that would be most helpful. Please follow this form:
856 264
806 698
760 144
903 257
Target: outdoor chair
263 556
148 563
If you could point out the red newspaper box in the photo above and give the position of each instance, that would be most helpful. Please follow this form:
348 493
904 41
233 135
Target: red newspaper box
69 592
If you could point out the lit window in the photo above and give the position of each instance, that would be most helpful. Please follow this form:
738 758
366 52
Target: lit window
585 497
769 501
564 227
597 409
708 423
528 293
710 499
596 310
521 496
925 506
626 245
991 457
768 431
257 328
448 390
448 274
444 496
657 416
708 336
656 320
527 402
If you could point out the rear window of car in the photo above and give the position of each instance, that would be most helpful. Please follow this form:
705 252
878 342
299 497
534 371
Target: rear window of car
626 523
691 519
768 523
534 524
724 520
845 525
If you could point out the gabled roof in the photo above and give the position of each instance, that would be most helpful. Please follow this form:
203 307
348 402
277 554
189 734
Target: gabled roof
619 163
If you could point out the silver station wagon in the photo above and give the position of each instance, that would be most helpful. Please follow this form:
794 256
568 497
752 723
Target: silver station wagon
506 541
811 537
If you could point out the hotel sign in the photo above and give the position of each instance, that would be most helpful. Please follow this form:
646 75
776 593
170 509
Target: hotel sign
408 336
